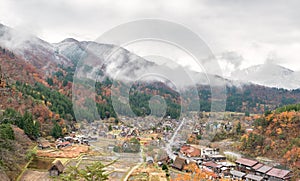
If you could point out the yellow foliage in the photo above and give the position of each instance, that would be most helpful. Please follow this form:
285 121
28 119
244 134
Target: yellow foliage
64 130
279 131
245 136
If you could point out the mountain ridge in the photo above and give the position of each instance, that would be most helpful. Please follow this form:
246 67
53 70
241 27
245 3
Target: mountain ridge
47 56
270 75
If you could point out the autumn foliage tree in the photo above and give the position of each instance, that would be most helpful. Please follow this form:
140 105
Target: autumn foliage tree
194 173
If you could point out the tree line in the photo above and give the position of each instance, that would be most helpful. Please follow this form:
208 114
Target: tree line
26 122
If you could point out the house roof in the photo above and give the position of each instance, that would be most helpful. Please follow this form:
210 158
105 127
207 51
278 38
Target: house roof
65 143
164 158
254 177
237 173
257 166
275 172
60 167
184 147
45 144
149 159
179 163
264 169
212 164
190 151
246 162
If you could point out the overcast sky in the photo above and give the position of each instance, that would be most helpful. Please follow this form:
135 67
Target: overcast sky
243 33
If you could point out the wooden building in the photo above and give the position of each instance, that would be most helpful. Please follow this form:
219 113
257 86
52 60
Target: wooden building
179 163
237 175
262 171
245 165
56 169
252 177
276 174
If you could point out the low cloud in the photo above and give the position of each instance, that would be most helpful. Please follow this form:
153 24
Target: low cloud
233 58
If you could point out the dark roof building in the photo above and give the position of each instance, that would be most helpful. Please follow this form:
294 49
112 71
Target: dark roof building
179 163
164 159
237 174
56 168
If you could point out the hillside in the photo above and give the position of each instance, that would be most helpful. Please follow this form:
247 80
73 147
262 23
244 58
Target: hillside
276 135
14 145
26 111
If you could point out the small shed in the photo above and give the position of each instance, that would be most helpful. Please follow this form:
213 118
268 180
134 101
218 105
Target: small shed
149 160
44 145
56 168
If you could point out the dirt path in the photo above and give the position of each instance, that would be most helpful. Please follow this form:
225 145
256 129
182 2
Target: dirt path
25 167
32 175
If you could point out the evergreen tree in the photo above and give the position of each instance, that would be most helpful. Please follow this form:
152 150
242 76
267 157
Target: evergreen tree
31 128
50 81
238 128
6 132
56 131
90 173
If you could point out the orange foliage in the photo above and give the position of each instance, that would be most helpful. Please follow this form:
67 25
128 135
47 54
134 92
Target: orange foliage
50 114
293 155
56 117
195 174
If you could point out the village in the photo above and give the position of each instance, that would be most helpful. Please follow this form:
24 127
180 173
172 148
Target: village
150 148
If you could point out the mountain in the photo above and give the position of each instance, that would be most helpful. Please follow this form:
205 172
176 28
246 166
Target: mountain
34 50
54 66
118 63
270 75
113 61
